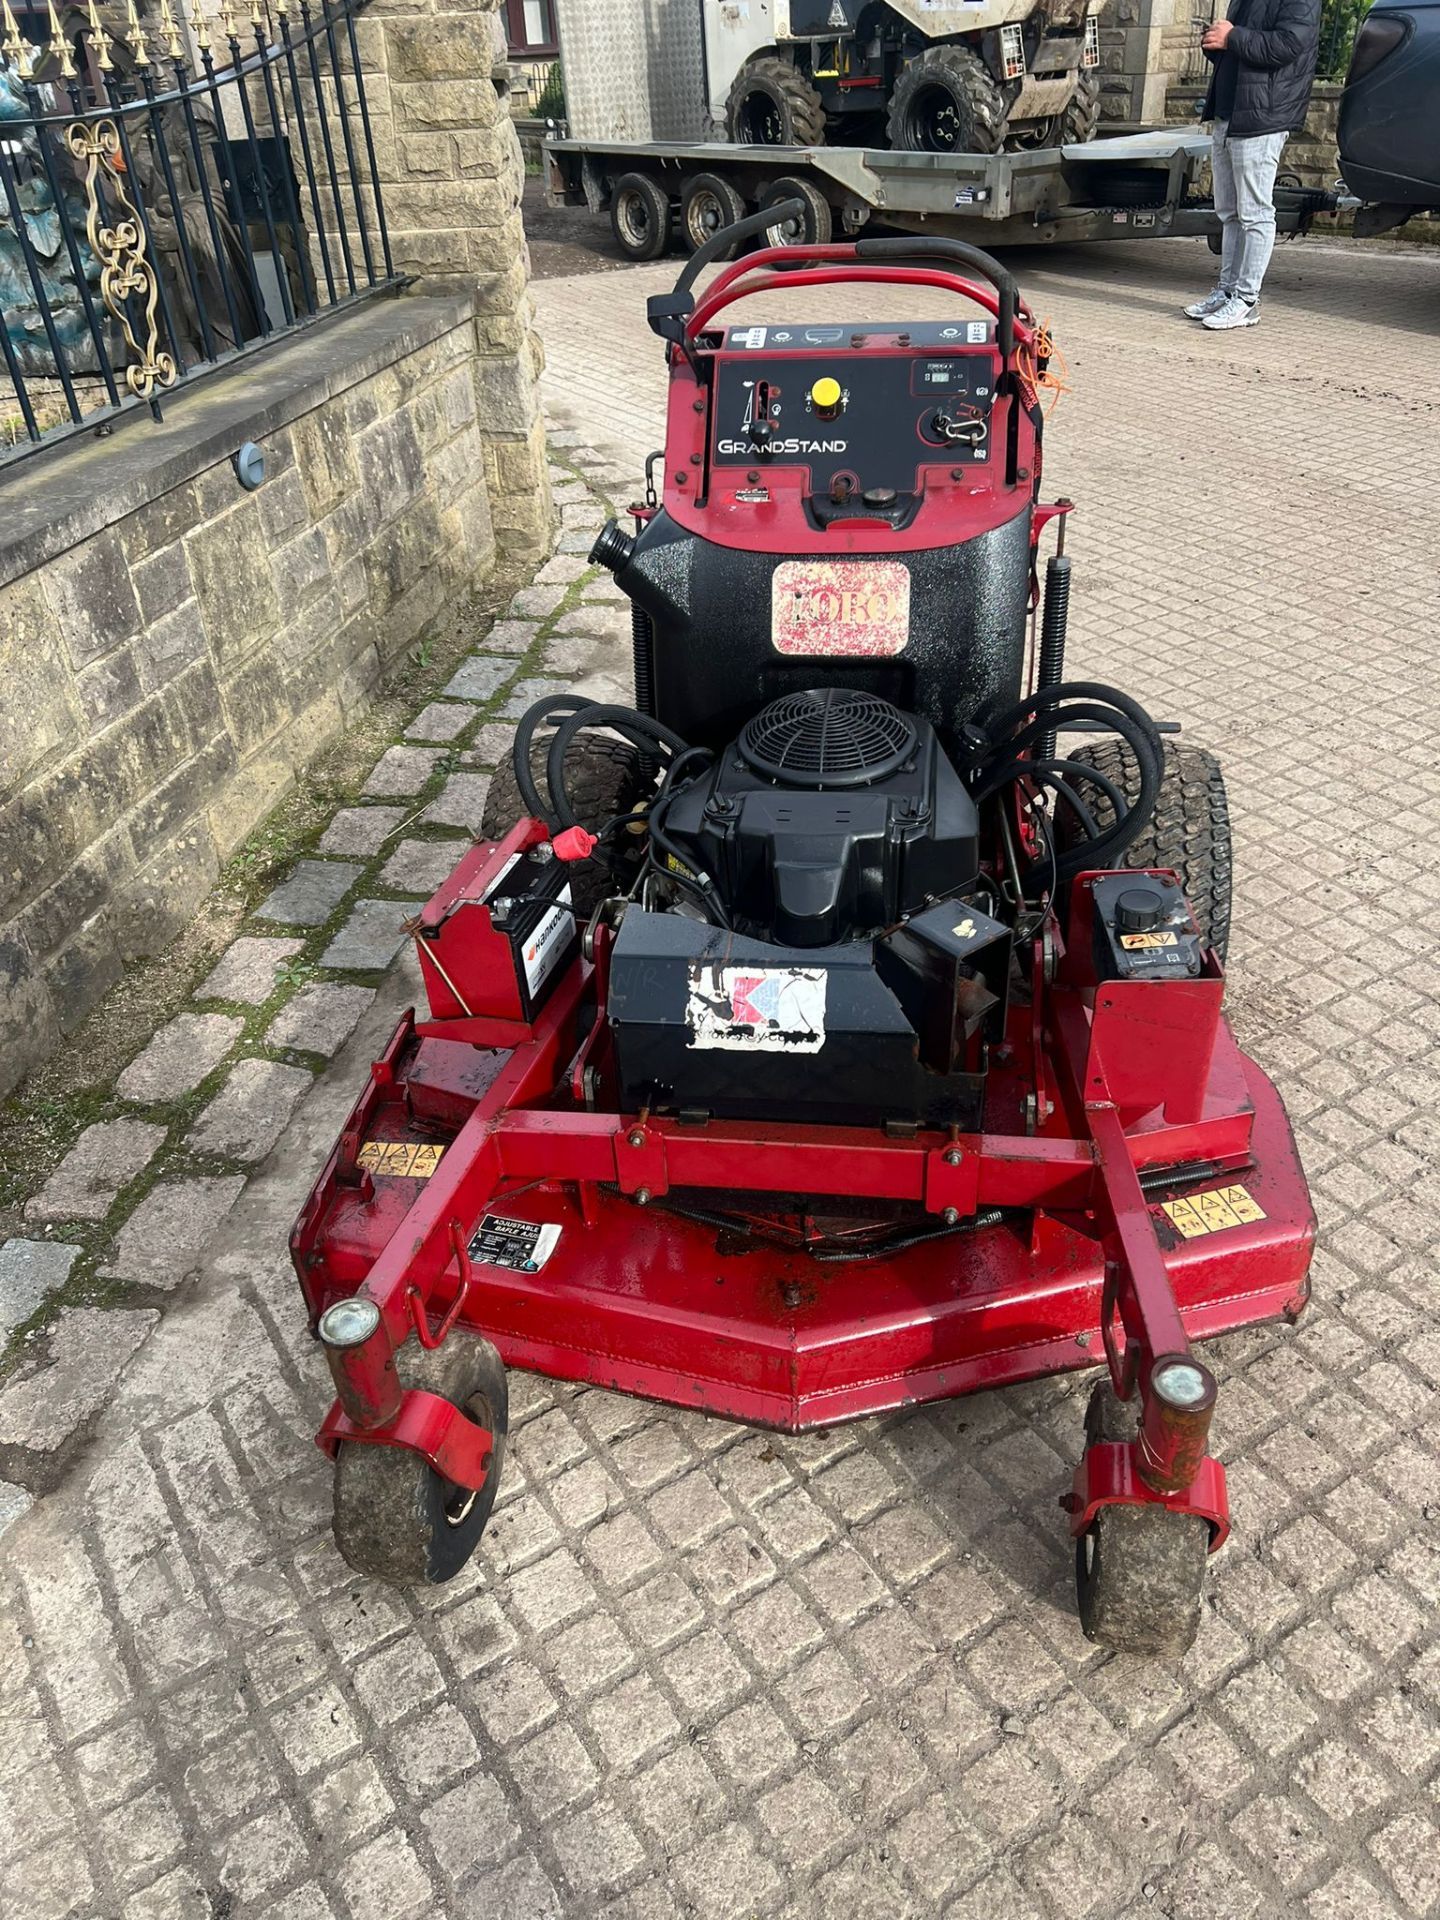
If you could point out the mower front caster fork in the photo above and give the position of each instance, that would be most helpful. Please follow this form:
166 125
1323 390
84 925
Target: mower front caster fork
1139 1558
396 1516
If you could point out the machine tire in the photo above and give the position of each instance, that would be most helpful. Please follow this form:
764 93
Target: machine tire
947 89
1080 119
640 216
602 779
395 1519
709 203
1139 1571
772 104
817 223
1190 829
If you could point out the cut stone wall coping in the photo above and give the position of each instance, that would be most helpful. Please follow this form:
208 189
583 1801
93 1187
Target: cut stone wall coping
58 497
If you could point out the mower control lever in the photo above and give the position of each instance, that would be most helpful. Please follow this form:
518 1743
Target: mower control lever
668 312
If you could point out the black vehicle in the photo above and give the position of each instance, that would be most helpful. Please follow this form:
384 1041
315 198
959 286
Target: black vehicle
1389 154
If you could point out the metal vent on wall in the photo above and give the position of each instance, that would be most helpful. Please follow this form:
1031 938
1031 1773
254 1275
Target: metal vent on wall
833 737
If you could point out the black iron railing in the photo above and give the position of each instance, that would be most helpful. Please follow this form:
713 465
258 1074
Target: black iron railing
173 193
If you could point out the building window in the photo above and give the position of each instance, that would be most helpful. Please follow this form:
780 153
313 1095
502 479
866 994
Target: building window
530 27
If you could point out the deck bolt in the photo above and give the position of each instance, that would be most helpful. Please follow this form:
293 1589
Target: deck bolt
635 1138
953 1156
951 1216
642 1196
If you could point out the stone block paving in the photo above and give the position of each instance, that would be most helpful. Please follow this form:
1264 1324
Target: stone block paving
701 1670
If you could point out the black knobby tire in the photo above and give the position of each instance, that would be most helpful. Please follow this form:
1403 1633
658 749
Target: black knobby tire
709 203
602 780
1139 1571
1080 119
395 1519
812 228
640 216
772 104
945 101
1189 831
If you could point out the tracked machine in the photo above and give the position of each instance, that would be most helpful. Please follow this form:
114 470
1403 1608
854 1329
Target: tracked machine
841 1027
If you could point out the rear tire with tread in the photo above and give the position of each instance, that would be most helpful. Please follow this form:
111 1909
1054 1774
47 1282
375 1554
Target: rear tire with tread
395 1519
601 778
946 101
1189 831
1080 119
640 216
772 104
1139 1571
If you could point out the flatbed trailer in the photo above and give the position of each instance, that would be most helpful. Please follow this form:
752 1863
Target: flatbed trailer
1128 186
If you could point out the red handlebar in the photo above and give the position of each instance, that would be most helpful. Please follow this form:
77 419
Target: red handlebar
733 283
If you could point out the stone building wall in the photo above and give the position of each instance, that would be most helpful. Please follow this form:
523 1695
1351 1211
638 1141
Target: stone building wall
1136 56
1310 156
173 648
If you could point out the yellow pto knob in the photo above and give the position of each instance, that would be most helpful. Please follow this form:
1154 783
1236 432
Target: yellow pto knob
826 395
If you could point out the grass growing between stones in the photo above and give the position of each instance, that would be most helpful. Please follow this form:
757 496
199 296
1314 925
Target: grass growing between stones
76 1088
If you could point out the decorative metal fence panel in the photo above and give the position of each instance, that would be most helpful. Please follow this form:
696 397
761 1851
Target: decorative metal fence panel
174 192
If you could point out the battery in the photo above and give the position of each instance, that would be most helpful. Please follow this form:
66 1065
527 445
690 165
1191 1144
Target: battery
497 935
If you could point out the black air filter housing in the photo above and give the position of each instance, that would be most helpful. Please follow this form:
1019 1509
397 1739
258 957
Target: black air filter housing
833 816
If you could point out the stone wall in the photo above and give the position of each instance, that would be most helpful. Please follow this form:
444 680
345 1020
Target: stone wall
452 175
173 648
1135 38
1310 156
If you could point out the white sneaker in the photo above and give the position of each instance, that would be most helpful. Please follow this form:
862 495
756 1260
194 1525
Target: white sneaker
1235 313
1212 303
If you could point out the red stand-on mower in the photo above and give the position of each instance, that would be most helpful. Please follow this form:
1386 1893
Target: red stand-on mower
816 1037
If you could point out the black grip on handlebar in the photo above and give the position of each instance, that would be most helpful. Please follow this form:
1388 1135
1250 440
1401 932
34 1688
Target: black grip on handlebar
959 250
726 238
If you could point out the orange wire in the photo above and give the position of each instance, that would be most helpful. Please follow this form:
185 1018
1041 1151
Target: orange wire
1054 380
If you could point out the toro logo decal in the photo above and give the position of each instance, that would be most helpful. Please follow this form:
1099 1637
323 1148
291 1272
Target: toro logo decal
835 608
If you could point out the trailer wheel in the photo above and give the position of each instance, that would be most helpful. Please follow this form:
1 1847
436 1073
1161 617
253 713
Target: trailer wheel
395 1518
601 778
1080 119
708 204
812 228
1189 832
1139 1571
772 104
640 216
945 101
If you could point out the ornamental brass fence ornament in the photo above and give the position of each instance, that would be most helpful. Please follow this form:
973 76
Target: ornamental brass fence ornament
172 200
125 273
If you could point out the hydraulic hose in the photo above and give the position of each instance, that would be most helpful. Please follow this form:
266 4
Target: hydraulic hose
640 729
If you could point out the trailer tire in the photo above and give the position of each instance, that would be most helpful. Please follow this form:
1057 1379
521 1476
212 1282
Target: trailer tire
1189 830
1139 1571
640 216
395 1519
772 104
602 778
945 101
708 204
1080 119
813 228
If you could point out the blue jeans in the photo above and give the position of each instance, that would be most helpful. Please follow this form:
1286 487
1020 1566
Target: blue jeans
1244 172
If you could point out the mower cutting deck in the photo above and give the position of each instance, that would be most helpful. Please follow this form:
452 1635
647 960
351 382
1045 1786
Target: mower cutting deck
811 1039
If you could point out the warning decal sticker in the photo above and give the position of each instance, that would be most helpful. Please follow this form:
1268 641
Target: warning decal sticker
405 1158
1201 1213
757 1009
856 609
1148 942
522 1246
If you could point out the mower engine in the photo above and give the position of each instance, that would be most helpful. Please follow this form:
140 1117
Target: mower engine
827 1032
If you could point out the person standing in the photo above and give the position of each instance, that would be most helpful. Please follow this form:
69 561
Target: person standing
1263 67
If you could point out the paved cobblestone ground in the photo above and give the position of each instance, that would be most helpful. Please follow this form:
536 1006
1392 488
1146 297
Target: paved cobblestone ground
702 1670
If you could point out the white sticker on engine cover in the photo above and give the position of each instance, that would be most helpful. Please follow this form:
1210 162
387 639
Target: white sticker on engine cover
757 1009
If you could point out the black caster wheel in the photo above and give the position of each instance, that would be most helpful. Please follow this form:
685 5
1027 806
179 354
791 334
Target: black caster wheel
395 1518
1139 1571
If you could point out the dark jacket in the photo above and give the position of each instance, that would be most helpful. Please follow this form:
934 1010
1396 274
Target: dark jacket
1276 48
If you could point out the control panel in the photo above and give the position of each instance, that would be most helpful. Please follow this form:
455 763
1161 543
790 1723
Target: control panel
863 408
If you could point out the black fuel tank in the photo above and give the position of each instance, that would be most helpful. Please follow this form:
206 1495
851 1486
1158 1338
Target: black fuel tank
714 651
